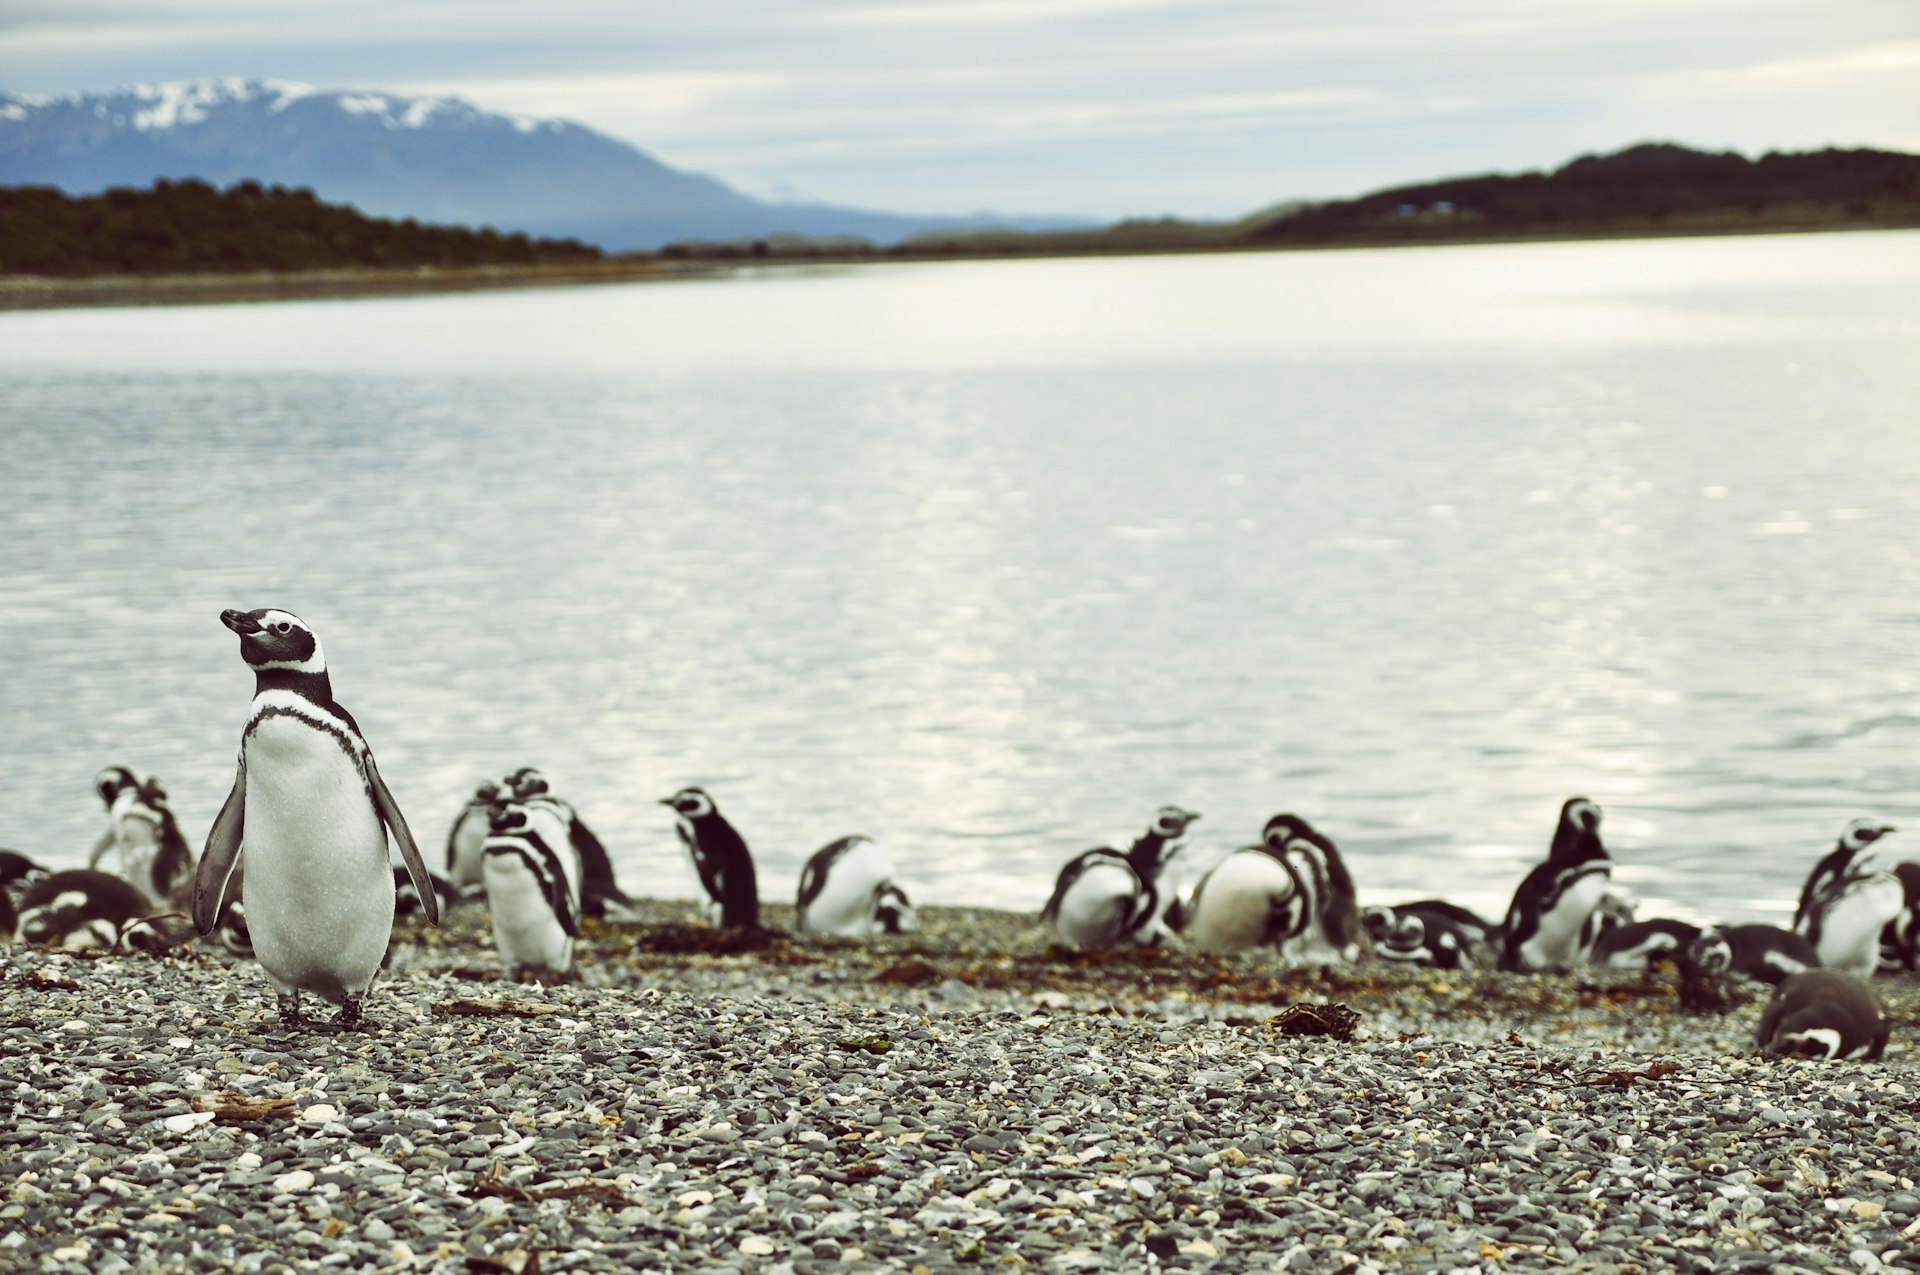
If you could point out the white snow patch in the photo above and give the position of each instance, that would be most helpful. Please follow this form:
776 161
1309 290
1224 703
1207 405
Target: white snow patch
363 104
12 111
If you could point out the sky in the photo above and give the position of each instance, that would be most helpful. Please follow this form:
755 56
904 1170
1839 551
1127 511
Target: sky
1095 108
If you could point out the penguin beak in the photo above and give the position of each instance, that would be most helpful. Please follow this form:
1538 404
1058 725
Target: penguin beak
239 621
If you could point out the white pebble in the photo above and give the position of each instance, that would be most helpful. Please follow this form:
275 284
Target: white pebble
298 1180
186 1122
320 1113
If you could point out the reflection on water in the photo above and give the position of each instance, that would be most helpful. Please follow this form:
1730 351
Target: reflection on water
990 560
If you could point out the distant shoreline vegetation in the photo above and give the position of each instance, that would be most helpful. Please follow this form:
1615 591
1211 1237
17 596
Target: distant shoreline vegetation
254 240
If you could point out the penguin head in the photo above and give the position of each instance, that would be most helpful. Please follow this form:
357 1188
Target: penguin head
1862 833
1709 954
507 816
1580 814
892 911
486 794
690 803
1793 1040
526 782
1171 821
1378 921
112 781
1283 828
274 639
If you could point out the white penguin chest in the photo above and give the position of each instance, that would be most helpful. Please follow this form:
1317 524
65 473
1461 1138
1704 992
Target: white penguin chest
306 797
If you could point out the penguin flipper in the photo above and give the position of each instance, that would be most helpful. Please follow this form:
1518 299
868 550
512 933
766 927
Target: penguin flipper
222 853
409 853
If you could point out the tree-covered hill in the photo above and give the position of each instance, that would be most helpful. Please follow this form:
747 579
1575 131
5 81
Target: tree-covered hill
190 227
1647 188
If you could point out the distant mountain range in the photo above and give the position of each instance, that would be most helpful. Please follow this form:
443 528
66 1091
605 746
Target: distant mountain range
434 159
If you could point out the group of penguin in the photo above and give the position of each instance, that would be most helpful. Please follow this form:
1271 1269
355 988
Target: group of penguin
314 896
1292 893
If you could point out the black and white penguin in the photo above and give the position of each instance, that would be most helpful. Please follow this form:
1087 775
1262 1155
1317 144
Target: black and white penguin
82 908
1639 945
1767 953
1836 863
1103 898
1477 927
467 838
1849 913
1252 898
314 814
600 894
1900 940
720 857
1409 936
1824 1013
1612 912
17 872
847 889
152 851
532 876
1333 931
1545 922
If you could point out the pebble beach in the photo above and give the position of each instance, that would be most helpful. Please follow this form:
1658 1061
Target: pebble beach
967 1097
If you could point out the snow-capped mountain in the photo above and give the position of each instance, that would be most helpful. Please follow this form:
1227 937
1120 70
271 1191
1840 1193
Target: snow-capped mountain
436 159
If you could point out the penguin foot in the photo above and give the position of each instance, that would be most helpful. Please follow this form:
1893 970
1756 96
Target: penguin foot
290 1017
349 1019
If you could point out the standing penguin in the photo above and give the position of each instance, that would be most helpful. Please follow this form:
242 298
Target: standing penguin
468 838
1547 919
1900 940
154 854
1824 1013
532 875
1854 838
599 892
721 858
847 889
1103 898
309 805
1333 931
1846 919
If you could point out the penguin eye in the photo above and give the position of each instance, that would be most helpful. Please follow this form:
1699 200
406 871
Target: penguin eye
283 627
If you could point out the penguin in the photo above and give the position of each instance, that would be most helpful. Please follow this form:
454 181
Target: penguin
1252 898
600 894
1703 964
1900 940
467 837
1410 936
721 858
313 813
17 872
1544 923
532 874
1476 926
1854 838
1103 898
847 889
9 919
1767 953
154 854
1845 920
1640 945
1333 931
1824 1013
83 908
1610 914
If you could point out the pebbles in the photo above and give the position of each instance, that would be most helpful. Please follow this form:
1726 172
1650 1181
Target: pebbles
788 1109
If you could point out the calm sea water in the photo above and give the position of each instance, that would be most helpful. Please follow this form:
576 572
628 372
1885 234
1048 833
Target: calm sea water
990 560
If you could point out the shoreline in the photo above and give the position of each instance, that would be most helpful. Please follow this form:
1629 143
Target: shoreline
47 292
966 1097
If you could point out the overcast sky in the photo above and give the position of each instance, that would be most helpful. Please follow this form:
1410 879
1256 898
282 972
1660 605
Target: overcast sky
1107 108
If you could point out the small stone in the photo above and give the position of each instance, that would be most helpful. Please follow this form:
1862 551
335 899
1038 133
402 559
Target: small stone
320 1113
297 1180
757 1246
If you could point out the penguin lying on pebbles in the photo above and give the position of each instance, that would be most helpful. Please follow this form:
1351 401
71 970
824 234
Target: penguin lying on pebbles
720 858
532 874
1412 936
1767 953
847 888
1638 945
314 815
1252 898
1333 931
153 852
1103 898
82 908
1548 916
1824 1013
